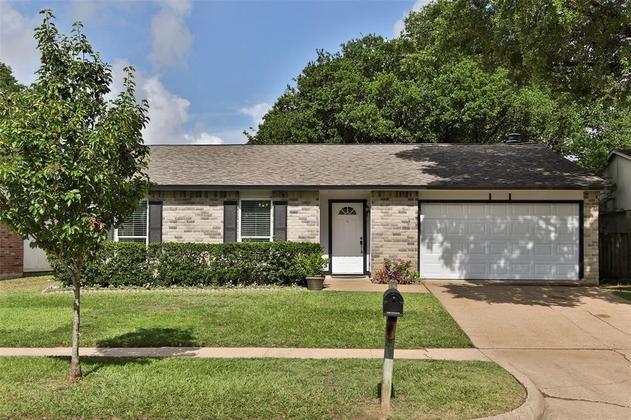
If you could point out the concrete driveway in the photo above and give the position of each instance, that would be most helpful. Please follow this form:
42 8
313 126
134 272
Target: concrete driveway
574 343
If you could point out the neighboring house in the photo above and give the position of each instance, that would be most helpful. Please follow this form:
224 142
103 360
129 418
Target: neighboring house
17 258
618 171
615 219
457 211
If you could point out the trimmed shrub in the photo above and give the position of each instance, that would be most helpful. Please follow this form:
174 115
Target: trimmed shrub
195 264
116 264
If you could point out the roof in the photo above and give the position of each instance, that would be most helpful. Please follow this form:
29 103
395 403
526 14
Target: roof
366 166
625 153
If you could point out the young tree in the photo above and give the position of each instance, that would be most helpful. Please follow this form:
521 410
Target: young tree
71 162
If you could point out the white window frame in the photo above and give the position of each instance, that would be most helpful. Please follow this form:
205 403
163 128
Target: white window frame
117 237
271 216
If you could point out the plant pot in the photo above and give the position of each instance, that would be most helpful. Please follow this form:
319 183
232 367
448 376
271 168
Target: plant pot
315 282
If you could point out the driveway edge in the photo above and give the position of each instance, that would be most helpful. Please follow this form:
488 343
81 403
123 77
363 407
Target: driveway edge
534 405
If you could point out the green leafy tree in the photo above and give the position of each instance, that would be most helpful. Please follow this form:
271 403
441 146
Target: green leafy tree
8 84
472 71
71 162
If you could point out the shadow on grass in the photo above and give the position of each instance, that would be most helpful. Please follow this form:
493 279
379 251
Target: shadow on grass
152 337
91 365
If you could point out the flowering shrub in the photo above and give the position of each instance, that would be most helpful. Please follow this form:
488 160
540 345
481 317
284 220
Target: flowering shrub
395 271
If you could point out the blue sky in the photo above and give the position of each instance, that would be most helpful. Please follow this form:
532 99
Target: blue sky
210 69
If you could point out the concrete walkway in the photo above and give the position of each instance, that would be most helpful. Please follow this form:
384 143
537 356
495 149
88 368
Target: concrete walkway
363 284
574 343
248 352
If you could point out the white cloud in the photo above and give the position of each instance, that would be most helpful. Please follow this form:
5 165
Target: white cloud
168 113
399 25
17 45
256 112
203 138
170 37
86 10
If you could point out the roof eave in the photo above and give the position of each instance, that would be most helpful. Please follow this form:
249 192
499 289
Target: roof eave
617 153
209 187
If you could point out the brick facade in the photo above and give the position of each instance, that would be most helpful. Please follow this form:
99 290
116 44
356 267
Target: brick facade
394 226
197 216
193 216
590 237
303 216
11 254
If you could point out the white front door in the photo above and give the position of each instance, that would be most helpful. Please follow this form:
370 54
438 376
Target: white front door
347 246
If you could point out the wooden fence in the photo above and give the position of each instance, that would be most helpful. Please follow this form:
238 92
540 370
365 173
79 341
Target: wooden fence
615 256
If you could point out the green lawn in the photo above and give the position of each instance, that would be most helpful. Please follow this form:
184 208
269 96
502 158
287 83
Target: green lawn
262 318
626 294
251 388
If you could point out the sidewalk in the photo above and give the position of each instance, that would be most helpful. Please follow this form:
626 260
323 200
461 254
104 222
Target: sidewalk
247 352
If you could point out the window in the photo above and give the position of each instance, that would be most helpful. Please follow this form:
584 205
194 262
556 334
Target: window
134 229
347 211
256 221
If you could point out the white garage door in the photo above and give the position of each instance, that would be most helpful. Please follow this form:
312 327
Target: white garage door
499 241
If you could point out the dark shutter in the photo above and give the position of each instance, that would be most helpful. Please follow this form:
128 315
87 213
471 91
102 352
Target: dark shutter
280 221
110 234
155 221
230 221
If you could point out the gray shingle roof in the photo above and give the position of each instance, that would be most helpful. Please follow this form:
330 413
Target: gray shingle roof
418 166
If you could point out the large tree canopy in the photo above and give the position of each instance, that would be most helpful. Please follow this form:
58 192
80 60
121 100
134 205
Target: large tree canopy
472 71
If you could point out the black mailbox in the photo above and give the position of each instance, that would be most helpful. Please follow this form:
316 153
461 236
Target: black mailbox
392 303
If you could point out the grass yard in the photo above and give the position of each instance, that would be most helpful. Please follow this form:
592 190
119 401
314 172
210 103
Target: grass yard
257 318
251 388
625 294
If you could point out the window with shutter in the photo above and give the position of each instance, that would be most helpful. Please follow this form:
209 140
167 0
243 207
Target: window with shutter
256 220
134 229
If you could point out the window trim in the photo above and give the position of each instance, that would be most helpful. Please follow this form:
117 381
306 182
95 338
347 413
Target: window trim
117 237
269 238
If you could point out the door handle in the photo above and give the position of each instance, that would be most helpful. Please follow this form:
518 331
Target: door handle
361 244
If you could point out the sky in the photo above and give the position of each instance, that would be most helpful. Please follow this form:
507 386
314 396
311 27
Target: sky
209 69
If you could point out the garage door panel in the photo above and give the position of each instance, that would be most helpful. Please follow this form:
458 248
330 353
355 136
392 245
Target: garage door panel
519 228
478 211
453 212
521 210
520 269
499 240
476 228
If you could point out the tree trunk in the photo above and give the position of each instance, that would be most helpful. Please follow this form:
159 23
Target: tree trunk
75 364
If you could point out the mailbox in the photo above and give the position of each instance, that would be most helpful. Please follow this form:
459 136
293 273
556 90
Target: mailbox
392 303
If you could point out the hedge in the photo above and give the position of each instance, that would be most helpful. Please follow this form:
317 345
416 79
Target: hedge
195 264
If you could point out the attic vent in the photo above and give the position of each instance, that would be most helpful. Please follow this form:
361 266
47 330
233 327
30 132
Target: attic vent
512 138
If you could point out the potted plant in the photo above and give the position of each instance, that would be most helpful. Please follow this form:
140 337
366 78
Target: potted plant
313 266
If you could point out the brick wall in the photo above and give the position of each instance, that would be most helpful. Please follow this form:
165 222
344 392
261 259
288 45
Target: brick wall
394 221
303 216
590 237
11 254
193 216
197 216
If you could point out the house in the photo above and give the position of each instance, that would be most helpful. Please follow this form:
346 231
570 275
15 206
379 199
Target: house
456 211
618 171
615 218
17 258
